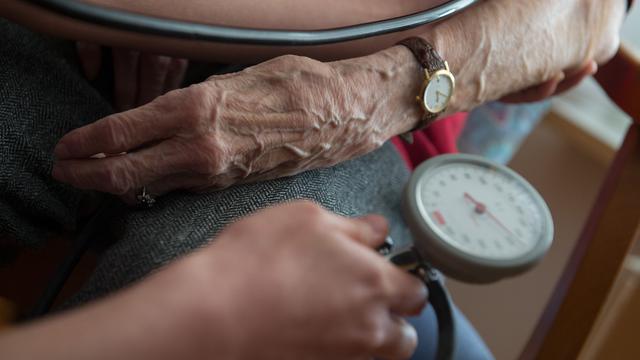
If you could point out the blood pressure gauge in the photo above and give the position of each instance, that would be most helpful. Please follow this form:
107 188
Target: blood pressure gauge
474 220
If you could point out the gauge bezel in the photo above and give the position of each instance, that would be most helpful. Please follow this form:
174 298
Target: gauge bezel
449 259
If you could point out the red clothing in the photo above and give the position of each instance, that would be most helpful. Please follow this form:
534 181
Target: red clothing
439 138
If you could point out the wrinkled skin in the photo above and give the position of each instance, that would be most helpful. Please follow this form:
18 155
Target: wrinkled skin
274 119
519 44
309 285
292 113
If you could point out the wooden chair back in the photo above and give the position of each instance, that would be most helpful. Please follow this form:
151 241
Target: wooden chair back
611 229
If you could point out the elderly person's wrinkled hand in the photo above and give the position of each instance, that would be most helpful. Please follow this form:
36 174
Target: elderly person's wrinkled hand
275 119
292 113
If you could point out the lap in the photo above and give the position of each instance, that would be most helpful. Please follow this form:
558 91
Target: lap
42 97
181 222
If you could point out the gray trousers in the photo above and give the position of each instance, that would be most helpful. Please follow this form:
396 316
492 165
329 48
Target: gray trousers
43 96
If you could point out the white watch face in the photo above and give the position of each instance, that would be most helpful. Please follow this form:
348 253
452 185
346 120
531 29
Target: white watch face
438 92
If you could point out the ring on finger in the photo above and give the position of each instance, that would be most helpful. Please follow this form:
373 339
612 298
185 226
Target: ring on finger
144 198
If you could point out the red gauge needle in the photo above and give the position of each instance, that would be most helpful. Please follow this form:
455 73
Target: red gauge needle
482 209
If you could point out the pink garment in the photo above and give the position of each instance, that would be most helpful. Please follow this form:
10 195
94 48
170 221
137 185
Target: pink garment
439 138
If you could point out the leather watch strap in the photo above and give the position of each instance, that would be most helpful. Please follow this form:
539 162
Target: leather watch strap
425 53
430 60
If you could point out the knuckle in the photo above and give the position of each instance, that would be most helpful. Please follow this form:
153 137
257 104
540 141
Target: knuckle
117 181
208 156
208 164
375 281
239 229
116 132
309 208
298 61
416 287
194 108
193 115
284 61
312 213
192 120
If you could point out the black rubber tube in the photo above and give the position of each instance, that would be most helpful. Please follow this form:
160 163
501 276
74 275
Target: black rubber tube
123 20
439 299
409 258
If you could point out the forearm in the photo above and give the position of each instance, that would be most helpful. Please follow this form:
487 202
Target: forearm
491 61
147 321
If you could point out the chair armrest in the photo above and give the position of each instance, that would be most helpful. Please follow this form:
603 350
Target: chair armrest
620 79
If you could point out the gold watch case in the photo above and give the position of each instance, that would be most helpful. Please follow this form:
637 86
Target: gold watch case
429 77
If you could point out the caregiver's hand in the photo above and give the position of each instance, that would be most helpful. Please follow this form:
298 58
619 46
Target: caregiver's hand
304 283
291 282
274 119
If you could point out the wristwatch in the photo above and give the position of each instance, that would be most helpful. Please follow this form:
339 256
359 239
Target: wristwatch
438 86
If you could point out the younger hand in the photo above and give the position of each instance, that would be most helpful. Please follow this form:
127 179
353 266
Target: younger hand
291 282
297 282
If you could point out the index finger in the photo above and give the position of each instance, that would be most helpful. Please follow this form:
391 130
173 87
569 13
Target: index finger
118 133
370 230
406 293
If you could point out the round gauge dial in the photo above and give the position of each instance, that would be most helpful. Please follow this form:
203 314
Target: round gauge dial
468 214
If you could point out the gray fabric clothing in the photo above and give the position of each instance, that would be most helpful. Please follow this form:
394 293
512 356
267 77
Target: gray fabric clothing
42 97
181 222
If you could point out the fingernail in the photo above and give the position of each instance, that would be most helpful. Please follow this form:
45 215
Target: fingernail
377 223
423 295
410 333
61 151
409 340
